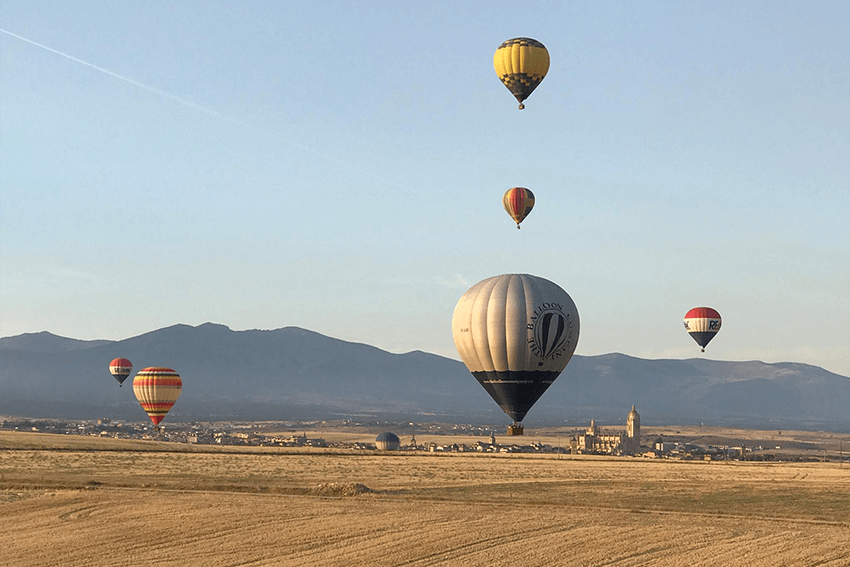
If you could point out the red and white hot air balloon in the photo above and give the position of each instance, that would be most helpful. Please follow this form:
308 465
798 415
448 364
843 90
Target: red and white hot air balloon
702 323
120 368
157 389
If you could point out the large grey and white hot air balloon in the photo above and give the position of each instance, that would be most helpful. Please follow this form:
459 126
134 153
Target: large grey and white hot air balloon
515 333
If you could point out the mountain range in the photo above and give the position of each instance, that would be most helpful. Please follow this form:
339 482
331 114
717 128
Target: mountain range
297 374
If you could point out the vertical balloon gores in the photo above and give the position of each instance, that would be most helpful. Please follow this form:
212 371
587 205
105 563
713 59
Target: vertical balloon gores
518 202
157 389
515 333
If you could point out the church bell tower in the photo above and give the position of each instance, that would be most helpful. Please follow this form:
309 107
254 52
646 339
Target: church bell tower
633 431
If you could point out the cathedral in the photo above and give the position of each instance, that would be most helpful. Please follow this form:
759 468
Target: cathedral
621 443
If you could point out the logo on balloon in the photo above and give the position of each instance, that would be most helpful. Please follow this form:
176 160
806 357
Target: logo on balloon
551 331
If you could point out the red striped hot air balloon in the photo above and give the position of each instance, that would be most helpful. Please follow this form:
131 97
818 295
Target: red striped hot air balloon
702 323
518 202
120 368
157 389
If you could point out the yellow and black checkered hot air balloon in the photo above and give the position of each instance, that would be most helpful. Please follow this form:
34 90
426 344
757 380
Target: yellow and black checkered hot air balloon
521 63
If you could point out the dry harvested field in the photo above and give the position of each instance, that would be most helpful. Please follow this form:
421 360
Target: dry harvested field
93 502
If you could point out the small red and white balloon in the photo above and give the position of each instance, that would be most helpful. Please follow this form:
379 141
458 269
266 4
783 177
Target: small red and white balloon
702 323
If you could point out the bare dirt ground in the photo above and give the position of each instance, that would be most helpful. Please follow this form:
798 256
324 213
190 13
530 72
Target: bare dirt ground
70 503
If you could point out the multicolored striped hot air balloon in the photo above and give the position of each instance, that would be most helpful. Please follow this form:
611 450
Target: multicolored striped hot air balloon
515 333
120 368
518 202
702 323
157 389
521 64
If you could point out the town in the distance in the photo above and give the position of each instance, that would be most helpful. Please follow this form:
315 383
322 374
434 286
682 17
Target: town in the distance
671 442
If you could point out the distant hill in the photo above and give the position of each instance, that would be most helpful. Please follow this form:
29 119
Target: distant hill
47 342
293 373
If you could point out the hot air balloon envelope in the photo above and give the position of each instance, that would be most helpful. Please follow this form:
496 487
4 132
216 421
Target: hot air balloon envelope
702 323
120 368
157 388
521 63
387 441
518 202
515 333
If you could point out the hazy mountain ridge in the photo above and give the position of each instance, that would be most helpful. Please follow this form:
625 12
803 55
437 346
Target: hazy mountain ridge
293 373
47 342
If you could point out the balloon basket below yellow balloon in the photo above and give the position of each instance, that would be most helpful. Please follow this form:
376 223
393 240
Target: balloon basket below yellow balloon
522 106
516 429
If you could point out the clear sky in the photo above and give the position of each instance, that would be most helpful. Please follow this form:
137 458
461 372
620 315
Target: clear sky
339 166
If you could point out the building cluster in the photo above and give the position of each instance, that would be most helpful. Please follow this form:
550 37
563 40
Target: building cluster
613 443
692 451
222 433
594 440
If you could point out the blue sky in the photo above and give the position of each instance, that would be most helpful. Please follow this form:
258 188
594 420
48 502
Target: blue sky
340 167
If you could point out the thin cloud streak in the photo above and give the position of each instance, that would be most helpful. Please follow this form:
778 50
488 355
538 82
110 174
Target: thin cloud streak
196 107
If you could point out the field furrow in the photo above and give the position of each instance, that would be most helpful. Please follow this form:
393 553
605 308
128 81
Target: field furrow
78 508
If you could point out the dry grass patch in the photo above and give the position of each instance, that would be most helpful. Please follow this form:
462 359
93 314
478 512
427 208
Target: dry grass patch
154 528
132 506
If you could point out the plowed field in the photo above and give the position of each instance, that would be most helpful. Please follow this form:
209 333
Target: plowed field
69 506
